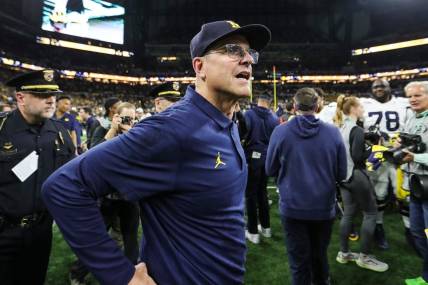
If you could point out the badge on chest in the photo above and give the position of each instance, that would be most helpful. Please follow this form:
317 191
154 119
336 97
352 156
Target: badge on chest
8 148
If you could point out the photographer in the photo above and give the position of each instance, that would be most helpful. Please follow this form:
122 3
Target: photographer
122 121
417 92
356 191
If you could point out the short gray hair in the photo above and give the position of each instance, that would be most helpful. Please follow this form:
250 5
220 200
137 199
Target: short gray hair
412 84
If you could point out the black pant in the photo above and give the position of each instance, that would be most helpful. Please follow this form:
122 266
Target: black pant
24 253
256 197
129 216
307 243
358 194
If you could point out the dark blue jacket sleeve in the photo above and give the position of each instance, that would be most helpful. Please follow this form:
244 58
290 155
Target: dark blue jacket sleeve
341 158
272 164
139 164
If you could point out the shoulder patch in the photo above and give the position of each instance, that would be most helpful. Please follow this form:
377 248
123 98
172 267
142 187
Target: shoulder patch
367 100
3 118
4 114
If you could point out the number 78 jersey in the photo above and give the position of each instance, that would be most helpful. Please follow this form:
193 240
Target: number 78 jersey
390 116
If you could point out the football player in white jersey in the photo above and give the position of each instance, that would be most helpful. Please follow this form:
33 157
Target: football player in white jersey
327 113
389 114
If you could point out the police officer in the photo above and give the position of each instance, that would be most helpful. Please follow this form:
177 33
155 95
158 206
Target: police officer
260 121
187 168
166 95
32 146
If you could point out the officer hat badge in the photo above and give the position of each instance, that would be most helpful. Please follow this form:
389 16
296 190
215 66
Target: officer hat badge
176 86
48 75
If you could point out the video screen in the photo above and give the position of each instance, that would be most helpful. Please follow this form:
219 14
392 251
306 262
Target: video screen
93 19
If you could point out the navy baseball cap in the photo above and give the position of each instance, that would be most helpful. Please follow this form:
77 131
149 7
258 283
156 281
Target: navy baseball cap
258 36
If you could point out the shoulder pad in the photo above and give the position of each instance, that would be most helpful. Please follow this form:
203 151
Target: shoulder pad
367 100
402 99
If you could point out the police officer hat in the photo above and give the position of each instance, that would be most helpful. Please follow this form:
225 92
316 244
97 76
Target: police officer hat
170 91
258 36
38 82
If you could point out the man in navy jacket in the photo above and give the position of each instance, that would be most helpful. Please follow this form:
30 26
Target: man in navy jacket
309 158
260 121
187 168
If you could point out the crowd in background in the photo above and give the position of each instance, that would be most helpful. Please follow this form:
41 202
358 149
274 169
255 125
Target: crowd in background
100 113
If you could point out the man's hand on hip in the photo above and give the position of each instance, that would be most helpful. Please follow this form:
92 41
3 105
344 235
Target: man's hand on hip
141 277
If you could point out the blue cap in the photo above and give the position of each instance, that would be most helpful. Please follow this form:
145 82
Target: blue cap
258 36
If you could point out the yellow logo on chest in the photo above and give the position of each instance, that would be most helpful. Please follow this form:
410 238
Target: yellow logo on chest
218 161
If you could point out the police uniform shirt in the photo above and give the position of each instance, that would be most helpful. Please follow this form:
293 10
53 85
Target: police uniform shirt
187 167
17 140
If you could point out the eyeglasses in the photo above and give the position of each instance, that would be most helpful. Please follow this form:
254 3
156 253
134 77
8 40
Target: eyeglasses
237 52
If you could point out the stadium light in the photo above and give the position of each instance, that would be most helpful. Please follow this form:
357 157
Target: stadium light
387 47
284 79
85 47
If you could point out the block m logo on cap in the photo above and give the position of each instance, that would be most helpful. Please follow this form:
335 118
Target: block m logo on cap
234 25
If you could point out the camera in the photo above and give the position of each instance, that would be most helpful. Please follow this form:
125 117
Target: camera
373 135
126 120
419 186
412 143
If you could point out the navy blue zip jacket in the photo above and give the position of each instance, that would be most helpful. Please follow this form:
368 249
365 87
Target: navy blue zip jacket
309 157
260 124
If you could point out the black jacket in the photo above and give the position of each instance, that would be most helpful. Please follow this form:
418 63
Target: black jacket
54 147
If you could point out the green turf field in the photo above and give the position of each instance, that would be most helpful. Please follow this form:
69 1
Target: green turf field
267 262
